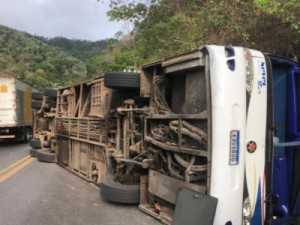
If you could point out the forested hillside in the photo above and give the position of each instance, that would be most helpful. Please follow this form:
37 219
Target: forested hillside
43 62
80 49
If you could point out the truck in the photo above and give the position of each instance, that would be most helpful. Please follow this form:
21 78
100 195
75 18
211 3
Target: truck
209 136
15 109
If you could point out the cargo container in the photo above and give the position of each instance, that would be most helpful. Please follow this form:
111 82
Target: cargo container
15 109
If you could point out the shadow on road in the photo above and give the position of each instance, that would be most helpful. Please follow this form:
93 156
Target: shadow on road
10 142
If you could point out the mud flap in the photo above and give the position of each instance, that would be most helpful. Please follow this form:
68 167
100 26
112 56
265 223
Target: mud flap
192 207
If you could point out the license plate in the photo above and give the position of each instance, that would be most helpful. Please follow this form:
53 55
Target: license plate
234 147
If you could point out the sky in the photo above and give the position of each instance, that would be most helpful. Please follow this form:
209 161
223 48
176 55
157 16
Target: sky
73 19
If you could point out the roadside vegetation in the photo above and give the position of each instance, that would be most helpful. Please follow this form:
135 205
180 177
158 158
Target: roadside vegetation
154 29
161 28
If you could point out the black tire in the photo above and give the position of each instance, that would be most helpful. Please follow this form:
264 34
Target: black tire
121 80
119 193
32 152
35 143
26 135
51 104
37 95
36 104
50 92
44 156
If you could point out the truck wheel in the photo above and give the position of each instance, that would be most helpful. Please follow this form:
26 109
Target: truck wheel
113 191
26 135
36 104
45 156
37 95
121 80
32 152
35 143
50 92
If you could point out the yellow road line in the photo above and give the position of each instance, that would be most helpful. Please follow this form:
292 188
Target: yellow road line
14 168
13 165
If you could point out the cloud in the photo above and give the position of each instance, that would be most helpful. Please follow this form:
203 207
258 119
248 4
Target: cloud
78 19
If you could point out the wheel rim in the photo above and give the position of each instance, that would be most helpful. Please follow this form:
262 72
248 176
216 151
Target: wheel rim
26 136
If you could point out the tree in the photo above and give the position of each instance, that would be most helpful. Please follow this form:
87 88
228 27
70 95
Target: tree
165 27
30 59
36 81
97 65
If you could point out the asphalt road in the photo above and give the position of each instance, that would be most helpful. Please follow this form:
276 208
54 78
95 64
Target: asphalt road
10 152
36 193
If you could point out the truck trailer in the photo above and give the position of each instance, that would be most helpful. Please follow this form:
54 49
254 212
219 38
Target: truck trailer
198 138
15 109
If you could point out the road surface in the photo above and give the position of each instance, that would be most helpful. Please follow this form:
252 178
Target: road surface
36 193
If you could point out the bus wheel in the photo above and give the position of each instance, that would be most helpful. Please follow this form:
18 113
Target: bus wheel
45 156
113 191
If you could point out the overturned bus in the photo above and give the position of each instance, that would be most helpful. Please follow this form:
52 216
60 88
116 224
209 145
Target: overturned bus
209 135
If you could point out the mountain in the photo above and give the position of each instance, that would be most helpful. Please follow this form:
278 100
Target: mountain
80 49
43 62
